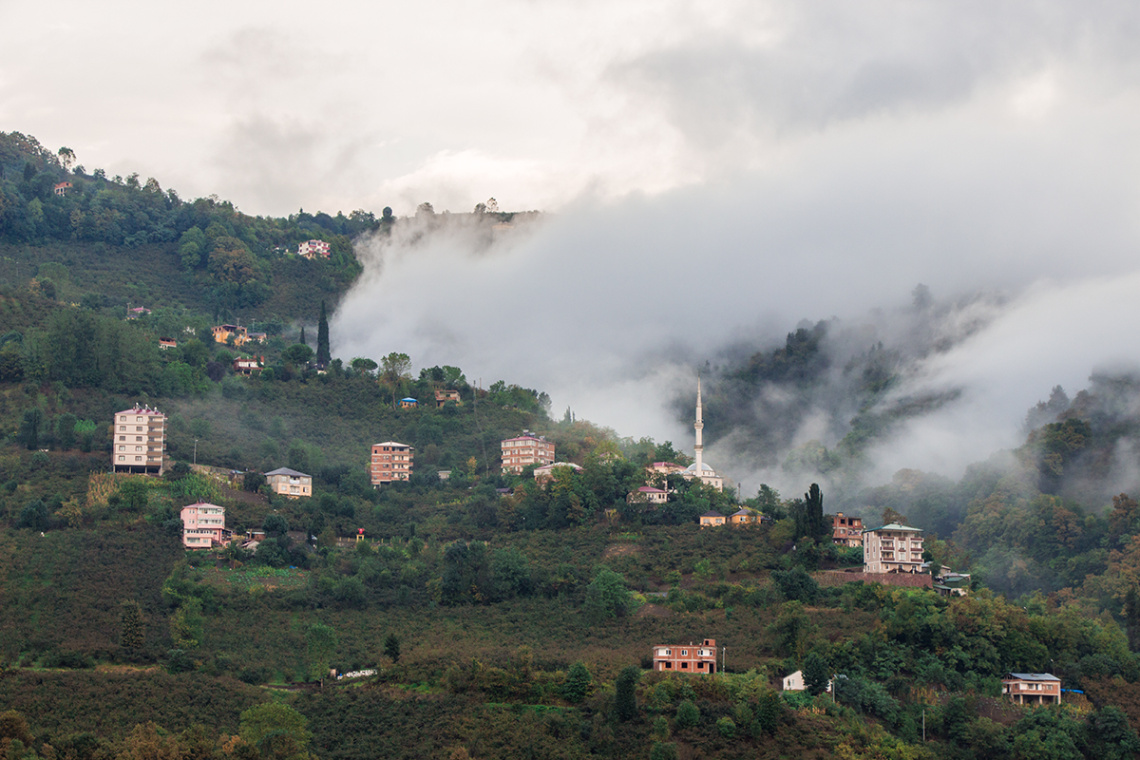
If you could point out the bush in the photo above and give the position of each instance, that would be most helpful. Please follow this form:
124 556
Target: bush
662 751
727 727
688 715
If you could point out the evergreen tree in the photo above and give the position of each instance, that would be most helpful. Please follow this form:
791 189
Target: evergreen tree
688 714
577 684
302 340
816 673
132 626
1132 618
323 355
392 647
813 506
625 696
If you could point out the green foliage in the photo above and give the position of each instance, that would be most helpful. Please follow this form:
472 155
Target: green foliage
578 683
625 694
663 751
726 727
816 673
266 724
688 715
796 585
320 644
132 626
606 597
392 647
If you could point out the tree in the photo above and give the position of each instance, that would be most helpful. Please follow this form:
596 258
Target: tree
578 682
625 694
816 674
363 365
297 354
392 647
606 597
132 626
394 370
323 355
67 158
320 642
231 262
688 714
768 712
29 434
277 730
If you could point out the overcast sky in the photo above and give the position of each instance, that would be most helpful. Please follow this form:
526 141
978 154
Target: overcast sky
717 171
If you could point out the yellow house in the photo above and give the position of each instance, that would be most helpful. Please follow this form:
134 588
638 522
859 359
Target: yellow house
290 483
222 334
712 518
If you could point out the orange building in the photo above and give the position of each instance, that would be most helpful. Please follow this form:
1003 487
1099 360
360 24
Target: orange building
443 396
686 659
391 461
526 450
846 531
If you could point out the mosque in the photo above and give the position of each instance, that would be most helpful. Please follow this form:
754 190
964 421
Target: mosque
699 469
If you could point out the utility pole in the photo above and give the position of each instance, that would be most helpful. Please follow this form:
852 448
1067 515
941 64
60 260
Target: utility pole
195 451
723 657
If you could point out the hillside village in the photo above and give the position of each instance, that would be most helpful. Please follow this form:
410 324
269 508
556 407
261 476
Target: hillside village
293 554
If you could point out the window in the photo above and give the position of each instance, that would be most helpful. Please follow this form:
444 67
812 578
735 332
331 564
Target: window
122 458
138 459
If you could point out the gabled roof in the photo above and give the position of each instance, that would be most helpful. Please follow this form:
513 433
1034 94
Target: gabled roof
648 489
393 443
287 471
712 513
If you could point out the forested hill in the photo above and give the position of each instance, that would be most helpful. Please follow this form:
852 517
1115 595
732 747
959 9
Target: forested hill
122 239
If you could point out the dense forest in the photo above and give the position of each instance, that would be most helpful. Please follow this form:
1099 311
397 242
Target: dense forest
491 615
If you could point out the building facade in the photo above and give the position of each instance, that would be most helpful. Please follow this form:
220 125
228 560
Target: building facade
712 518
443 396
692 658
139 441
312 249
290 483
391 461
1032 688
223 333
846 531
203 525
892 548
526 450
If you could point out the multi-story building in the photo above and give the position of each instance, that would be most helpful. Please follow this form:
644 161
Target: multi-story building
846 531
546 472
391 461
289 483
526 450
686 659
139 441
1032 688
203 525
312 249
443 396
223 333
892 548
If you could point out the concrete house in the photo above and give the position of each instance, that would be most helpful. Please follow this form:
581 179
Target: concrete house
712 518
314 249
1032 688
443 396
846 531
290 483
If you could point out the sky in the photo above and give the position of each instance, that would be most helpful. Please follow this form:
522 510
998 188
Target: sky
712 173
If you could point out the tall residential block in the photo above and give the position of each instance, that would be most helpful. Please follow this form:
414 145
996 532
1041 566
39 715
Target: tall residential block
139 441
391 461
526 450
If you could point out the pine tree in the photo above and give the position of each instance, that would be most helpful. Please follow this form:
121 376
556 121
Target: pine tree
1132 619
302 340
132 625
625 696
323 355
392 647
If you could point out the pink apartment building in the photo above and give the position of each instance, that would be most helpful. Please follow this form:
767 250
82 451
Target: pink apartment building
203 525
526 450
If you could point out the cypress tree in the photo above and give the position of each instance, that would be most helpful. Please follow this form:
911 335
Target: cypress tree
323 355
625 696
302 340
132 626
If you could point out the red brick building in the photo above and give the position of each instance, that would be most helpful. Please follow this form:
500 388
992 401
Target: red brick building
391 461
691 658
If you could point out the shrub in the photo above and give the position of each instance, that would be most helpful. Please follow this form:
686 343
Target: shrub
688 715
727 727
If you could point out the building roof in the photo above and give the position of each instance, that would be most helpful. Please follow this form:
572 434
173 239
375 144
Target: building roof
551 466
895 526
393 443
287 471
744 511
409 398
526 437
647 489
141 410
204 504
1033 677
705 468
712 513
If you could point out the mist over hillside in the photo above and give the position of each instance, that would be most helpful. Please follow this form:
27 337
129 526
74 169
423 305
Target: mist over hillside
613 309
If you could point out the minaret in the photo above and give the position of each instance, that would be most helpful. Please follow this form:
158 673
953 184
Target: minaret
699 426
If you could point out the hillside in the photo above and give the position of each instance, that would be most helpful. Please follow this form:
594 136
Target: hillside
503 617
